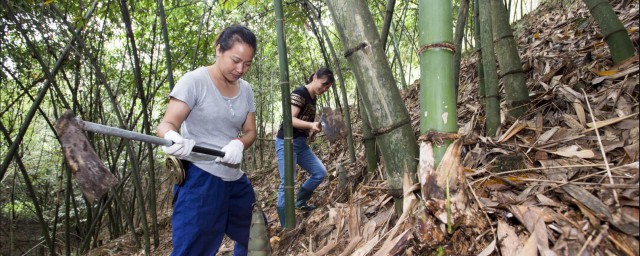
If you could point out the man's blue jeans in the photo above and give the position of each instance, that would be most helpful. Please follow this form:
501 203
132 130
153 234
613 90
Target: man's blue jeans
303 156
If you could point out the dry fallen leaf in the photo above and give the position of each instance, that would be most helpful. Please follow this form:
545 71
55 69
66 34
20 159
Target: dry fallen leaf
509 242
574 151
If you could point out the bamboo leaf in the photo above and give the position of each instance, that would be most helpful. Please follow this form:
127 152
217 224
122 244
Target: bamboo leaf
509 243
573 151
605 72
530 248
489 249
611 121
512 131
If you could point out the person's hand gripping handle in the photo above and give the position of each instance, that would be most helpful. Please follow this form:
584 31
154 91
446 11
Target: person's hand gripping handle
232 152
181 147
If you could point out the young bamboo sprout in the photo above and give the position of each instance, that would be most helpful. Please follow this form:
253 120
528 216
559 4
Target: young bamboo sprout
258 236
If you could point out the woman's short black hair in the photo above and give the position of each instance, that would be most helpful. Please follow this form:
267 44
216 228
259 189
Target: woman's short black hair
236 34
323 73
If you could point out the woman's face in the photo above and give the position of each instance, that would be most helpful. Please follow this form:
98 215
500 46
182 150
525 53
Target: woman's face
235 62
321 84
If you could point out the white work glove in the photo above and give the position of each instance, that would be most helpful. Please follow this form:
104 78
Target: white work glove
181 147
232 152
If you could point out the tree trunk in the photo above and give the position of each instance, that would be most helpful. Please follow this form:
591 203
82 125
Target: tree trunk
492 100
612 29
515 86
389 117
290 215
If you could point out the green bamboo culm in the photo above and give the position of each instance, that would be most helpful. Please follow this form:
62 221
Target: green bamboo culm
290 215
515 86
492 99
369 141
461 22
388 116
167 45
479 67
258 235
612 29
437 86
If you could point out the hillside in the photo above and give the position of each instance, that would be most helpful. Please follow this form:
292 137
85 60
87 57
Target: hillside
565 189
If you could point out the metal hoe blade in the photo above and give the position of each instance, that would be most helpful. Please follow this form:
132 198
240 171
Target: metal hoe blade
92 175
332 124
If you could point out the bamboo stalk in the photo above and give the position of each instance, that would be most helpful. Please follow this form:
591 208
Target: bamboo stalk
290 216
478 44
492 97
612 29
437 85
461 23
514 82
382 101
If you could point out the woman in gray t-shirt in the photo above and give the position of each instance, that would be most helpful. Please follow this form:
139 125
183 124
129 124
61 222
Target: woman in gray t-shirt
211 106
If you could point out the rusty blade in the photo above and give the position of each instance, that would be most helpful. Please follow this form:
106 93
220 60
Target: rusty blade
332 124
89 171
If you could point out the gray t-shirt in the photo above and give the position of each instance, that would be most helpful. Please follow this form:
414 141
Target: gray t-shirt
214 120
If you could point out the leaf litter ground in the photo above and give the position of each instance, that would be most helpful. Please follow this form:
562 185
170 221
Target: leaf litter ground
541 186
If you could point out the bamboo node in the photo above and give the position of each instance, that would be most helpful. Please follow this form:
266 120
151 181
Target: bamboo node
622 29
504 37
368 138
384 130
438 138
444 46
511 72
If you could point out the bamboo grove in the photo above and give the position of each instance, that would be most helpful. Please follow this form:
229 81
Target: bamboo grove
114 63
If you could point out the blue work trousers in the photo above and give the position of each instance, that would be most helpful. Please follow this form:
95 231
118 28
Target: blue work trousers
207 208
303 156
